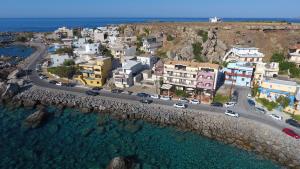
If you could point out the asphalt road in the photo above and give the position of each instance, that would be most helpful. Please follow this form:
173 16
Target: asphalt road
243 108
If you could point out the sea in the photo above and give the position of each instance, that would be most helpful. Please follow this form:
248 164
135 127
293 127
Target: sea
51 24
70 139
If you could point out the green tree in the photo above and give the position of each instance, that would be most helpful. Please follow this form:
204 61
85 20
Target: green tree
254 90
170 38
181 93
197 50
64 51
277 57
147 31
21 39
283 101
69 62
203 34
105 51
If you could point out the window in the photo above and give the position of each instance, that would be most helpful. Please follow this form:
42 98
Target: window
243 79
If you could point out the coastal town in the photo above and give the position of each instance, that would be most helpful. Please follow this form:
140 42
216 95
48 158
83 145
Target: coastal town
112 62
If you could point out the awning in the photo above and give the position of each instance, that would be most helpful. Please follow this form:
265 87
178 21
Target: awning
166 86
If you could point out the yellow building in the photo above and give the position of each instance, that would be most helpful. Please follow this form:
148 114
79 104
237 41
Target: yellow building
95 72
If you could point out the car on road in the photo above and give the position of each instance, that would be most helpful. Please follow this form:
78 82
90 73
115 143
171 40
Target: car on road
155 96
231 113
291 133
293 122
260 110
96 88
275 117
251 102
116 91
216 104
70 84
146 101
229 104
183 100
165 98
180 105
195 101
91 93
43 77
59 84
249 96
143 95
53 81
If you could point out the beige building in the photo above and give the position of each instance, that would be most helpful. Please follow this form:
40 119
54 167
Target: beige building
294 54
263 70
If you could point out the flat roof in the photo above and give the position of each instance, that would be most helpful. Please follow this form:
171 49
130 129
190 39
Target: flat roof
129 64
192 64
282 82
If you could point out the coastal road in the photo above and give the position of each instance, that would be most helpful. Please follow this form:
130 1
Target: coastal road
243 108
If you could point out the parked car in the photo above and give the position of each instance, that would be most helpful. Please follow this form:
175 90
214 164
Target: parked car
183 100
155 96
293 122
251 102
249 96
195 101
229 104
231 113
180 105
146 101
59 84
143 95
53 82
291 133
165 98
70 85
116 91
275 117
43 77
216 104
91 93
96 88
260 110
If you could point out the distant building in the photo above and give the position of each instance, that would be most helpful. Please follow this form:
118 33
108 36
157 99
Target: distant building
239 73
87 49
95 72
151 44
124 76
294 54
238 54
147 61
122 50
265 70
86 32
64 32
215 20
58 60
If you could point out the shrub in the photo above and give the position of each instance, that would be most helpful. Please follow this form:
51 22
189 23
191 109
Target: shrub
64 71
203 34
221 98
283 101
170 38
69 62
277 57
197 50
270 105
68 51
181 93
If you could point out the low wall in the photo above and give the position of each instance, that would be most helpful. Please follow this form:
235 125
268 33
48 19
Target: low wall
243 133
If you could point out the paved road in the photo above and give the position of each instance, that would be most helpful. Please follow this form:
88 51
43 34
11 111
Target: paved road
243 108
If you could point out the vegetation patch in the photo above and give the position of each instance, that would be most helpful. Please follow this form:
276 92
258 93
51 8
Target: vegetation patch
197 50
64 71
221 98
203 34
181 93
170 38
270 105
61 51
286 67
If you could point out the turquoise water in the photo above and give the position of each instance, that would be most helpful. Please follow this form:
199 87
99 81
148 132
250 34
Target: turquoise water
16 50
73 140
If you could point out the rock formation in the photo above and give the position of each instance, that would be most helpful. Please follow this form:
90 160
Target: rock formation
35 120
119 163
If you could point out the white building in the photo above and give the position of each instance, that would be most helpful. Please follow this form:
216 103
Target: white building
238 54
103 34
294 54
64 32
124 76
86 32
58 60
147 61
87 49
80 42
265 70
215 20
122 50
151 44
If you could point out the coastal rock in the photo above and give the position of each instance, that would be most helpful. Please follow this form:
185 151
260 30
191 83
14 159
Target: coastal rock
35 120
11 90
119 163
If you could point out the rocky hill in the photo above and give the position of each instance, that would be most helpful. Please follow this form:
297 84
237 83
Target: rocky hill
210 41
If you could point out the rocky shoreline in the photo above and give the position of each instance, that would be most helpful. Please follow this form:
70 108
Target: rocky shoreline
242 133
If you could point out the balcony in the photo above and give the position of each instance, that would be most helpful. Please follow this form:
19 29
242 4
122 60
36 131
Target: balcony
205 85
177 83
238 74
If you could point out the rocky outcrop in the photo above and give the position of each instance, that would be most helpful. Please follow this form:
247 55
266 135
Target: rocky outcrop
119 163
243 133
214 49
11 90
35 120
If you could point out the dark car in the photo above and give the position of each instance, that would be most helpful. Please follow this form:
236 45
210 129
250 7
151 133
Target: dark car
251 102
96 88
293 123
260 110
70 85
143 95
146 101
216 104
91 93
53 82
116 91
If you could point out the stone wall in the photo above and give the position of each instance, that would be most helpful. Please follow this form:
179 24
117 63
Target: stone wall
243 133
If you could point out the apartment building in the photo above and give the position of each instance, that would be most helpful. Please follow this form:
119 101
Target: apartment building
239 73
238 54
265 70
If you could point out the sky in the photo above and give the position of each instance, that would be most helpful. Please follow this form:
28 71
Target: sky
150 8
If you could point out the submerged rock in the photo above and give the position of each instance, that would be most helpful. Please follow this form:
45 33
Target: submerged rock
132 128
119 163
35 120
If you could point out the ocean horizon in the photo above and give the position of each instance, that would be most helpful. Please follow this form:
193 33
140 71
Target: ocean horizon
51 24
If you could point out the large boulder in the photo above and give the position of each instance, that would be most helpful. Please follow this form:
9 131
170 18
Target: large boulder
11 90
35 120
119 163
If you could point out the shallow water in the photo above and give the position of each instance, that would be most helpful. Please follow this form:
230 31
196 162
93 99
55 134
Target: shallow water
16 50
73 140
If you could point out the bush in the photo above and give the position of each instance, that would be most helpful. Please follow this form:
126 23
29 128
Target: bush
181 93
283 101
69 62
270 105
197 50
254 90
64 71
68 51
277 57
203 34
170 38
221 98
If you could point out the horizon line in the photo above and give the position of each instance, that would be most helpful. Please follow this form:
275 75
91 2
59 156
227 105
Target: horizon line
147 17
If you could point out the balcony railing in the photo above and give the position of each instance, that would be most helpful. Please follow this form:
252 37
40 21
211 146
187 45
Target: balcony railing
238 74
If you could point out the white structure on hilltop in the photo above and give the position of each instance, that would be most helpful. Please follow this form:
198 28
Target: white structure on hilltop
124 76
64 32
103 34
58 60
147 61
215 20
238 54
87 49
151 44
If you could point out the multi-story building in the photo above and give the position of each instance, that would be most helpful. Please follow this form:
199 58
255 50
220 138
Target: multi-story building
122 50
263 70
238 54
151 44
239 73
87 49
272 89
95 72
147 61
124 76
191 76
294 54
64 32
